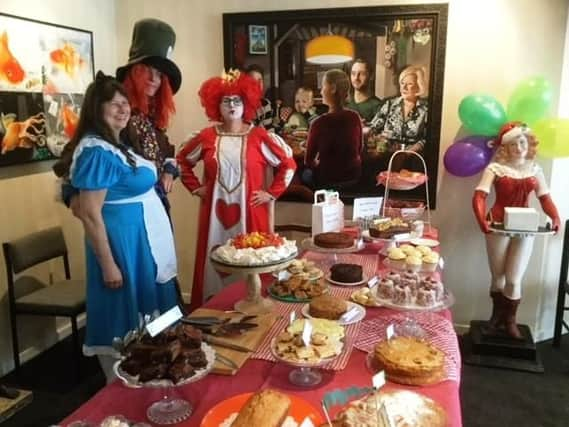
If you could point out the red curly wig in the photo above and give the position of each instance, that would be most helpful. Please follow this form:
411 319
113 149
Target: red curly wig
233 83
161 107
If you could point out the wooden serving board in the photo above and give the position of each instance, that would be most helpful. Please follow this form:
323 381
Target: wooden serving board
250 339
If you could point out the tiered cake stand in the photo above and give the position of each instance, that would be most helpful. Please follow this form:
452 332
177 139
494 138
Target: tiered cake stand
253 303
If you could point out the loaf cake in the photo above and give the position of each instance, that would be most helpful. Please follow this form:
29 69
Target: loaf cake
346 273
333 240
267 408
327 307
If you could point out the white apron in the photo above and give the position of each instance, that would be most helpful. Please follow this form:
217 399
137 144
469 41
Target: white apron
159 232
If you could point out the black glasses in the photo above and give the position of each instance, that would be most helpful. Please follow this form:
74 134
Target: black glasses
235 100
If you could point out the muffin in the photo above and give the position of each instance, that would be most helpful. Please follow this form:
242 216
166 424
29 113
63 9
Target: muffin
407 248
393 276
431 261
413 263
327 307
425 250
402 295
385 289
426 297
397 258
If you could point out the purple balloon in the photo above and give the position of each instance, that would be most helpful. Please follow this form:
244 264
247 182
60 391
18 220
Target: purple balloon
468 156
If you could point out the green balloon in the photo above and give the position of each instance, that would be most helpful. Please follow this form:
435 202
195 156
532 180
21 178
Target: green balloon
481 114
530 100
553 137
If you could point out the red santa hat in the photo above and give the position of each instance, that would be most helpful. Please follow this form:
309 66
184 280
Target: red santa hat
511 131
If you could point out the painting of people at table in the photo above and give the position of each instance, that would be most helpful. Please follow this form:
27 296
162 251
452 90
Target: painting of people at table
388 83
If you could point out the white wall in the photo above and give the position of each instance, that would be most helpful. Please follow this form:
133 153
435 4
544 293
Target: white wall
28 202
491 45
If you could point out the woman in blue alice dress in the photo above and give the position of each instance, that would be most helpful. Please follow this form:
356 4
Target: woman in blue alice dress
131 261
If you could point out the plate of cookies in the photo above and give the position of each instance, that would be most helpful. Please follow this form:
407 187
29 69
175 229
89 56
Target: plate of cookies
300 267
297 289
334 308
366 297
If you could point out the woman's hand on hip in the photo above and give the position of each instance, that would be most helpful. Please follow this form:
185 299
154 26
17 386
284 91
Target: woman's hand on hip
112 276
167 181
260 197
200 192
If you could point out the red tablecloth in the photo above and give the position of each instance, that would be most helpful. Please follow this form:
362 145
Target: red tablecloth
117 399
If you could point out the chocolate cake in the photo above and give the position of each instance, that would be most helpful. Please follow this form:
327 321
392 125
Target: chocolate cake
346 273
334 240
173 354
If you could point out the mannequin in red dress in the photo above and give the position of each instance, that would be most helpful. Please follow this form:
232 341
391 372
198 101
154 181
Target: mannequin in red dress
238 158
514 175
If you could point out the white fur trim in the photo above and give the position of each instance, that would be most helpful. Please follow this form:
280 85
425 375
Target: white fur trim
526 170
512 134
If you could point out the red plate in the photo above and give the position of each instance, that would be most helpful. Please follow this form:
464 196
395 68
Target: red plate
299 410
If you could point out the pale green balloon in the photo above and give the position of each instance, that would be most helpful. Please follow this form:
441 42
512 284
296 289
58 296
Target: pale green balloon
481 114
530 101
553 137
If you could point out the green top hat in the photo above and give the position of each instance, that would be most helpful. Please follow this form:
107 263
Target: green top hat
152 44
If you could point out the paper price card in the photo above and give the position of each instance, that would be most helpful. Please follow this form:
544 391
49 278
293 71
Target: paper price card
366 207
390 331
373 282
162 322
292 317
378 380
306 332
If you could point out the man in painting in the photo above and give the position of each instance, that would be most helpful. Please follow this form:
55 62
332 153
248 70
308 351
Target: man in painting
361 101
265 113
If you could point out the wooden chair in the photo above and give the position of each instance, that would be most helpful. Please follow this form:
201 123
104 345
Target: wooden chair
563 290
31 296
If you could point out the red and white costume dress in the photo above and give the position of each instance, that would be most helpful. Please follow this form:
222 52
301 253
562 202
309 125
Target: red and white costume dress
508 257
235 166
513 185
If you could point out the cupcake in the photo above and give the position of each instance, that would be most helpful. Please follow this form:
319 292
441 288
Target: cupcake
431 261
397 258
407 248
413 263
426 297
424 250
435 285
402 295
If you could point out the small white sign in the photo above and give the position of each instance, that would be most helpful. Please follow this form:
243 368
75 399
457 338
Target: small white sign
350 314
378 380
307 332
390 331
373 282
292 317
402 236
366 207
283 275
53 107
165 320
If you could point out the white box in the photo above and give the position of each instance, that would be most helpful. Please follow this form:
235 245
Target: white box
523 219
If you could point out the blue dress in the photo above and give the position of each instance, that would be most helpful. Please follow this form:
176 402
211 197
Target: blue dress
111 313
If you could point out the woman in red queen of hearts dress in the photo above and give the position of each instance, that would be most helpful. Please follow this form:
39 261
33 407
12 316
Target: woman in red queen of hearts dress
514 175
238 160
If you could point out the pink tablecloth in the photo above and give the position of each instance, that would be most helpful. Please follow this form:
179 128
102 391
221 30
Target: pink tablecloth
254 375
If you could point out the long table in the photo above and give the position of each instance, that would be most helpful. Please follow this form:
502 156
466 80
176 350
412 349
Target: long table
256 374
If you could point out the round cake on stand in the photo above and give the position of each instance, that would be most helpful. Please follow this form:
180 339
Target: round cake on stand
250 255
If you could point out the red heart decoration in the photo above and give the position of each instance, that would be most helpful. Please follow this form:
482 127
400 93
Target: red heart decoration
228 215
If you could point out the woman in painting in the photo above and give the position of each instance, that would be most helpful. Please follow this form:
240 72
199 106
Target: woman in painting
403 120
131 260
514 176
237 157
334 144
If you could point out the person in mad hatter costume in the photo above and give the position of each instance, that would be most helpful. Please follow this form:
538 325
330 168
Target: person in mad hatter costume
237 157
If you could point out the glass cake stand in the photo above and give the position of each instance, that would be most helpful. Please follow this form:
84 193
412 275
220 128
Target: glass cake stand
253 303
308 244
169 409
305 375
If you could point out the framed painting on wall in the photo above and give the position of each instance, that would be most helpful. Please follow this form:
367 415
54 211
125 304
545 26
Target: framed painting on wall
394 45
258 40
44 72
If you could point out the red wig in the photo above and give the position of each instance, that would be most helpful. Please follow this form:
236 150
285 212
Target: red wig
230 84
161 107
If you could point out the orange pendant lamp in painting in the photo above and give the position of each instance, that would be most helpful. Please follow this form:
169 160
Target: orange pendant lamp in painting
329 49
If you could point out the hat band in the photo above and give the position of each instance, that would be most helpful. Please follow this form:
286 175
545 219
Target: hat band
512 134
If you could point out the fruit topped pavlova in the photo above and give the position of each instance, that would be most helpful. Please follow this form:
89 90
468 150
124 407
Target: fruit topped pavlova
256 248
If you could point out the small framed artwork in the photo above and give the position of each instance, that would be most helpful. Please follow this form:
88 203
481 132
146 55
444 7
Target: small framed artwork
258 40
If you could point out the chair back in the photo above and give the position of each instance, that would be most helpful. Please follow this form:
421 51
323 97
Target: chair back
35 248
